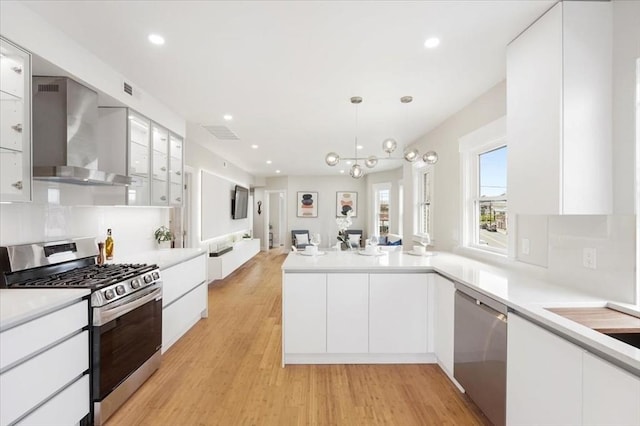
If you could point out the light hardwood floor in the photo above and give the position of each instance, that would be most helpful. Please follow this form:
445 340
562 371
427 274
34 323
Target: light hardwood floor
227 371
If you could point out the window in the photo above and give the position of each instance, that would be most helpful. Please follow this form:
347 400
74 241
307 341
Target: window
485 220
382 194
423 223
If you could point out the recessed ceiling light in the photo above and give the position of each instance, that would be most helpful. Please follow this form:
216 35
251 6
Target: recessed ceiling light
277 171
227 117
359 147
349 163
254 146
432 42
269 161
341 171
156 39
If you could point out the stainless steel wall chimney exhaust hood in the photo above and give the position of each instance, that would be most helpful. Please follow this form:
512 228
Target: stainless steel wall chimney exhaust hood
65 143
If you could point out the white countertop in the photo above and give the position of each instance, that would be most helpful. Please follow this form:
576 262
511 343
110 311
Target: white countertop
520 291
163 258
19 306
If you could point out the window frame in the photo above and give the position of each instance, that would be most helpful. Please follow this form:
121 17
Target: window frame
377 187
485 139
420 169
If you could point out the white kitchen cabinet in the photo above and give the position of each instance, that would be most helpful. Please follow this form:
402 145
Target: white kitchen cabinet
223 265
544 376
44 366
398 313
559 120
175 170
611 396
184 298
347 313
444 322
304 299
15 123
139 193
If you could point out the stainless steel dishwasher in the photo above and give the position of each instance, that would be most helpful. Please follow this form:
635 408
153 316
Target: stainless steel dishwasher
480 351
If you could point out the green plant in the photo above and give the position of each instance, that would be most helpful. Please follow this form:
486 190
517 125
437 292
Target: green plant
163 234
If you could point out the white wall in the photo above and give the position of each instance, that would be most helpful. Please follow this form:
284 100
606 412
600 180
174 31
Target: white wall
444 140
325 223
626 36
61 211
199 159
27 29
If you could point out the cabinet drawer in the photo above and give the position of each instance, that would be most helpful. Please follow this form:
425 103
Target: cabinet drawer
11 122
181 278
41 332
66 408
32 382
13 72
11 172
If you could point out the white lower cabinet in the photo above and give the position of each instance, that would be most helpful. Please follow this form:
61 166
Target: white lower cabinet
184 298
611 396
305 313
398 313
66 408
544 376
444 322
347 313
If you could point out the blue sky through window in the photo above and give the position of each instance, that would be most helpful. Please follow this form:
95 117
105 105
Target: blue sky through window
493 173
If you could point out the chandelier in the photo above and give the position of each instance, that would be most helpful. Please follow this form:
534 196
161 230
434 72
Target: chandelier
389 145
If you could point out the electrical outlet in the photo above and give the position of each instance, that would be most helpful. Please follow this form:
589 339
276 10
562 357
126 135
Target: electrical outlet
589 258
526 247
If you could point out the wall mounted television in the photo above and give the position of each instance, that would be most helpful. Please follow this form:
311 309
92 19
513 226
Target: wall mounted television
240 203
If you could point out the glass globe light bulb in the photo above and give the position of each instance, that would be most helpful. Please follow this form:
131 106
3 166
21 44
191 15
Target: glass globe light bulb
356 171
332 159
389 145
411 154
371 161
430 157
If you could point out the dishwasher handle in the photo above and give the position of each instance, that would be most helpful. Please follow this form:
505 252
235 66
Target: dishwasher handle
493 307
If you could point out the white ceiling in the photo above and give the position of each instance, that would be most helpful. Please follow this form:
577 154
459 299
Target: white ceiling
285 70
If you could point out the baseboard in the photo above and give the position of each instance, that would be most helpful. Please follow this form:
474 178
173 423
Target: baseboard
360 358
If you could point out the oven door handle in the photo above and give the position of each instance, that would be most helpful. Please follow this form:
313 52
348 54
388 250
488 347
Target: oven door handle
102 316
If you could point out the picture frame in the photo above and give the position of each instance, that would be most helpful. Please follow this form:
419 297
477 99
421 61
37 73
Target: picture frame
307 204
345 201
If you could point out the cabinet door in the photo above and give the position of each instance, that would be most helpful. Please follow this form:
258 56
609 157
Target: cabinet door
159 165
347 313
175 170
304 297
611 396
138 193
444 322
544 376
398 314
15 123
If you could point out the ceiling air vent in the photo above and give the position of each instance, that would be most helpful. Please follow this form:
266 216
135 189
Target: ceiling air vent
48 88
128 88
222 132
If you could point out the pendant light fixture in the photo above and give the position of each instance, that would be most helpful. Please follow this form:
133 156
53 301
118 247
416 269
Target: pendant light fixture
389 145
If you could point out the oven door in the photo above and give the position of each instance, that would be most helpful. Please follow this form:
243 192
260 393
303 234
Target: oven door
125 335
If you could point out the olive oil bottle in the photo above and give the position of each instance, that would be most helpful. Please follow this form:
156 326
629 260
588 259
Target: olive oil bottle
108 245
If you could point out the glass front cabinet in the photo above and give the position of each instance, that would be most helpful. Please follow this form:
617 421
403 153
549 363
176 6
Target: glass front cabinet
15 123
155 164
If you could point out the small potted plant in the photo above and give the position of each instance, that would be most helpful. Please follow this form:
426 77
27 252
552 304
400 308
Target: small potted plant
164 237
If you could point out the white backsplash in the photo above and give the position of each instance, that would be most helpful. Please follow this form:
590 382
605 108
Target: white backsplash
564 241
47 218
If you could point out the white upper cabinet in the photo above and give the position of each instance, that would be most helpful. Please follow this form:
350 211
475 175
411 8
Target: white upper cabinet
559 119
15 123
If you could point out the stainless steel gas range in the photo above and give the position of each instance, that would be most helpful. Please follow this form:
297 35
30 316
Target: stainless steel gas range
126 311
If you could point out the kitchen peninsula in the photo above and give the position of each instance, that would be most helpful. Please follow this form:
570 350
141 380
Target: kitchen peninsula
346 308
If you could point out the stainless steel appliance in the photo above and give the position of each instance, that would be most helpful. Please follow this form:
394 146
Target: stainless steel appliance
126 311
480 351
65 139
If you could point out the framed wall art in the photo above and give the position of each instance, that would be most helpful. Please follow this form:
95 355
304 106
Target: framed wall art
346 201
307 203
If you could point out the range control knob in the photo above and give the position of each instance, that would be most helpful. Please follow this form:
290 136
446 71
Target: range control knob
156 275
120 290
109 294
147 278
135 283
